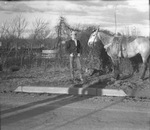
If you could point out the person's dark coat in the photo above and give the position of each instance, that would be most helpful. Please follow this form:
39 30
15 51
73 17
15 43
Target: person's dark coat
72 48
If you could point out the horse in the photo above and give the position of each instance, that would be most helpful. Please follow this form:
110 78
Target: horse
119 47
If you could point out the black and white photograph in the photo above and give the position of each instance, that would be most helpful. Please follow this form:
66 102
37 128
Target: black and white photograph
74 65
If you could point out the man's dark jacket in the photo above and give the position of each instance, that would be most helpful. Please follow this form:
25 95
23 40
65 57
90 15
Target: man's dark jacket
72 48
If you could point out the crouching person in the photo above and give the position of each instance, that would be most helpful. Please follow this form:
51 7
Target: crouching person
74 49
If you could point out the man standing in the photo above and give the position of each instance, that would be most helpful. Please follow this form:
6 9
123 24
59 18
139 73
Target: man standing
74 48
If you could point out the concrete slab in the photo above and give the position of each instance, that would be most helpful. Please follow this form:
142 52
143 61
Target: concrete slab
42 89
81 91
71 90
111 92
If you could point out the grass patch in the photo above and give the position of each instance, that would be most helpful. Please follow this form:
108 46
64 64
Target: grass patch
39 76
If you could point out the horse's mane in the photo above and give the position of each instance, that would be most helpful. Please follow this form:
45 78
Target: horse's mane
107 32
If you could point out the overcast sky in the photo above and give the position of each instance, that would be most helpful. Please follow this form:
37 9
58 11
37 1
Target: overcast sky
133 13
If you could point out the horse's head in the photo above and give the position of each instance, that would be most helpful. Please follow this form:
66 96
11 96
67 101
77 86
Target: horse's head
93 38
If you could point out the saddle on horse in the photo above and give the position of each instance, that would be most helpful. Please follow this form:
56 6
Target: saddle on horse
123 45
121 42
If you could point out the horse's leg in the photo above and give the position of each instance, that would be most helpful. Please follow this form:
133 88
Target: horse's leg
148 62
116 69
134 66
144 70
110 65
135 61
144 67
101 66
101 63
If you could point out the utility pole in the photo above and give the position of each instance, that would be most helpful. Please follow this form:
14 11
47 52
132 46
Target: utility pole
115 14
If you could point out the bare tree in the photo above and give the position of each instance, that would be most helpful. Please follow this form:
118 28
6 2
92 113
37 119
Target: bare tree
6 40
60 30
63 30
40 32
14 30
18 28
41 29
11 33
6 36
19 25
4 30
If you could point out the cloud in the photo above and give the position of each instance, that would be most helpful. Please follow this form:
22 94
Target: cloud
140 5
134 16
16 7
126 14
85 11
100 3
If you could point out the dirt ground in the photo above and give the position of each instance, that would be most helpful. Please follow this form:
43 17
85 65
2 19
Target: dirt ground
26 110
60 77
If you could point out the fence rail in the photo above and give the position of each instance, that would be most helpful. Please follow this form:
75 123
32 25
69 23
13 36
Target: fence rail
49 54
35 57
